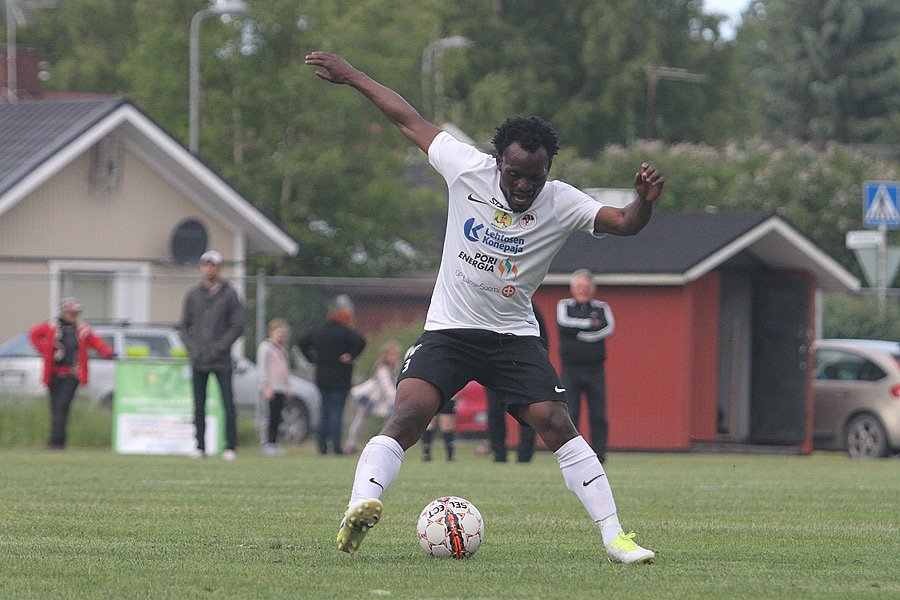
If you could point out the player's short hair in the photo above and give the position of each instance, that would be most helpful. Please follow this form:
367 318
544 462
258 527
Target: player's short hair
531 133
278 322
582 274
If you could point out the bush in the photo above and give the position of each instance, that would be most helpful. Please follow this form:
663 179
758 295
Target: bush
858 317
25 423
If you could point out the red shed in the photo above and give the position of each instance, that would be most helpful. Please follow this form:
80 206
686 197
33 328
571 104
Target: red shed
715 313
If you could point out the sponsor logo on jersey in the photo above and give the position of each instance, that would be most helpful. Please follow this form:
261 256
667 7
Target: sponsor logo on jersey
508 268
493 239
508 291
528 220
502 219
482 262
503 243
471 229
479 285
493 202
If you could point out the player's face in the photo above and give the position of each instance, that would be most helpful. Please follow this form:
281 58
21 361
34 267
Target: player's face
210 271
582 289
522 175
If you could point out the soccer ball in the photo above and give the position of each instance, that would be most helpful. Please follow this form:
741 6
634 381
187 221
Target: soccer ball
450 527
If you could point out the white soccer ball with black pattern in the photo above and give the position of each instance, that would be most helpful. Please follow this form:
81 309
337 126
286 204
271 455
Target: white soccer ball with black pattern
450 527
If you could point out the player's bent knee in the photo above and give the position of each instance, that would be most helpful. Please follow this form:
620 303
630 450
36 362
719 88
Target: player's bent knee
553 424
417 403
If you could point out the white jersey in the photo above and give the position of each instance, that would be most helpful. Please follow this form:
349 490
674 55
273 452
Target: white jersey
494 259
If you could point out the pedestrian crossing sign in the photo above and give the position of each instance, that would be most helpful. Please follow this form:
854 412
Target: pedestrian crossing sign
881 204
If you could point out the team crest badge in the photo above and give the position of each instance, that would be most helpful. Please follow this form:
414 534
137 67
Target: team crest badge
528 220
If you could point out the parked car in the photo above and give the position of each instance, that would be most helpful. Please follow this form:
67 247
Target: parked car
471 411
856 390
21 375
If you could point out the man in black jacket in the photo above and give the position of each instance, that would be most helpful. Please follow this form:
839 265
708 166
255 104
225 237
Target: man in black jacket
212 320
332 347
583 325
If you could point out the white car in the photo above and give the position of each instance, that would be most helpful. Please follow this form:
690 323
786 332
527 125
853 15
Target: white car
857 397
21 375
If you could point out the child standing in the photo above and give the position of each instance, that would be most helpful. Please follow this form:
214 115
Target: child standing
375 394
274 380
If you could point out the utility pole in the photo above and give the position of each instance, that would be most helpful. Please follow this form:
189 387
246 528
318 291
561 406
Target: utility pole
12 83
19 13
433 75
654 74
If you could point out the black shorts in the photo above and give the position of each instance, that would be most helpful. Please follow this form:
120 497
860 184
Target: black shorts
516 367
448 407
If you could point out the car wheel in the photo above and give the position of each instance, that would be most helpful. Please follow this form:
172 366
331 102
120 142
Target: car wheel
866 437
295 426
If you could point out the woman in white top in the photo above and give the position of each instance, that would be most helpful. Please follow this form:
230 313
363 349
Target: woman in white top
375 395
274 372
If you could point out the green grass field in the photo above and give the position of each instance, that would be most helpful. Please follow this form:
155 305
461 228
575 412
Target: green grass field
87 523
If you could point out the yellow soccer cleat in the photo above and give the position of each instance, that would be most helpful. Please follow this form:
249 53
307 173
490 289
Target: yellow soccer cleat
624 550
360 517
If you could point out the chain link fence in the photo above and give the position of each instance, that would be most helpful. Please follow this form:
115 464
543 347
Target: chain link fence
384 309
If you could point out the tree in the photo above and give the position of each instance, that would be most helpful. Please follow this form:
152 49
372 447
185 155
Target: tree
84 41
581 64
829 68
319 160
817 190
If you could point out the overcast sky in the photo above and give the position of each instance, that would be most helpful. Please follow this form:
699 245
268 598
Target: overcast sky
732 8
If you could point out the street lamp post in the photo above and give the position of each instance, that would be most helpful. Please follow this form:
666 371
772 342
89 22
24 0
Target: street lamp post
431 66
654 74
233 7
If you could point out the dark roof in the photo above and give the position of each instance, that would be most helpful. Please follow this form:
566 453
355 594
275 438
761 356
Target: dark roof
672 242
33 131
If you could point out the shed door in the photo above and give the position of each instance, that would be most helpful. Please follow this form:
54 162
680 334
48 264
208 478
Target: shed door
780 381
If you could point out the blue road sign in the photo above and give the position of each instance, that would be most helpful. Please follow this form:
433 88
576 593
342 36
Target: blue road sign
881 204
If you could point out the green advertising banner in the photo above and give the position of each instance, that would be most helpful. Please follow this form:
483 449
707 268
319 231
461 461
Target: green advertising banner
153 409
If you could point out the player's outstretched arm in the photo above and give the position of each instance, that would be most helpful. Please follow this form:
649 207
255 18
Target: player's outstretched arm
648 183
397 110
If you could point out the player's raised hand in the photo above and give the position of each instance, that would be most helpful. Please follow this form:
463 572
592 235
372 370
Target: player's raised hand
337 70
648 182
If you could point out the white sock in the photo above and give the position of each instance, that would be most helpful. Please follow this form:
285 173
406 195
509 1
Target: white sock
609 529
378 466
584 476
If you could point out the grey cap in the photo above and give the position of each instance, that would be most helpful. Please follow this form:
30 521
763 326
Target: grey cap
342 301
211 256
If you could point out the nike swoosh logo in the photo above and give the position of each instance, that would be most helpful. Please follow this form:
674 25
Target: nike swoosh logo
372 480
558 389
494 202
589 481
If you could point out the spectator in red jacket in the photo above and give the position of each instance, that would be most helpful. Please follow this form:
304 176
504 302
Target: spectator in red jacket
63 343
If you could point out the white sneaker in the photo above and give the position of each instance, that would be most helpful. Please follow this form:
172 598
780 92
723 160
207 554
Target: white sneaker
197 454
229 456
272 450
624 550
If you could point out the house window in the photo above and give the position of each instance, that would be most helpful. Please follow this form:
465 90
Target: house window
93 290
109 291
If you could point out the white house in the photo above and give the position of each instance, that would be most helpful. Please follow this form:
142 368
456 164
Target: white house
99 202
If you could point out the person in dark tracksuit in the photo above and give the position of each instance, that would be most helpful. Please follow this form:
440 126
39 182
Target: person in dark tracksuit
332 347
584 324
211 321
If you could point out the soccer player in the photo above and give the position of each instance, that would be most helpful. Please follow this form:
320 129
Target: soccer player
505 223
